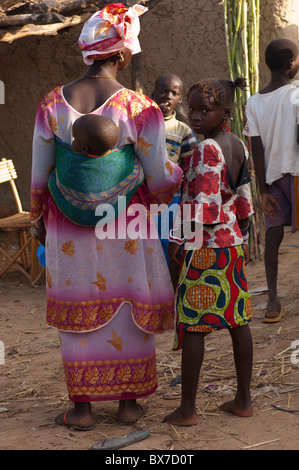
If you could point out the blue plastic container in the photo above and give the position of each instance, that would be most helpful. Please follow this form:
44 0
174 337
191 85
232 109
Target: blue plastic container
41 255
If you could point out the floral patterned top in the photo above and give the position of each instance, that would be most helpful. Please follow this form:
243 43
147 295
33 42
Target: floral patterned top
213 198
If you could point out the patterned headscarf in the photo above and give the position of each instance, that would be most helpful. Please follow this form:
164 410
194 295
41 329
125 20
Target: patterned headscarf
110 30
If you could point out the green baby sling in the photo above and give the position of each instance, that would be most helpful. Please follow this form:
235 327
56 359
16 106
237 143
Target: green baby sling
80 183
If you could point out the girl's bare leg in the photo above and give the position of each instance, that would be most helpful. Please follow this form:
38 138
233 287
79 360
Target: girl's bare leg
243 354
192 357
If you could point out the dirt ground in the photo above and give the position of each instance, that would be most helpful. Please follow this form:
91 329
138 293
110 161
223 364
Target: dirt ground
33 391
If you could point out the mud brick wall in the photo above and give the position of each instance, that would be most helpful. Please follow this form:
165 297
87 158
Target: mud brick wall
181 37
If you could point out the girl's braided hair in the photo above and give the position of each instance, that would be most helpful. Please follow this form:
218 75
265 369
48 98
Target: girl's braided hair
221 91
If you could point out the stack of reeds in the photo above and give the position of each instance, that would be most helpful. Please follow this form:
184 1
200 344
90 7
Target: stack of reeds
241 24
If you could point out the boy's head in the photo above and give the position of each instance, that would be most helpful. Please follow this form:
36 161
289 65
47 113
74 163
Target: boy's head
168 93
282 55
94 134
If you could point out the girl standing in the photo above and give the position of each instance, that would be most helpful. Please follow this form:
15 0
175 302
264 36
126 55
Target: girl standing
212 292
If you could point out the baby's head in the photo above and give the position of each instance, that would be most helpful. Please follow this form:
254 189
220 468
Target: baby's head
168 93
94 135
210 102
282 55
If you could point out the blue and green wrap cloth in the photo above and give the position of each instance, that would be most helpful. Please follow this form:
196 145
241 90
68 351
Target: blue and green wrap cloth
80 183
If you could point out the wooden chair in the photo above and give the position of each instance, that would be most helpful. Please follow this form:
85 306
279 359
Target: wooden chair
18 223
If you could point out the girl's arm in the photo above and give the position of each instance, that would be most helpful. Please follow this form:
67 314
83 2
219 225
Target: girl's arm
173 253
244 227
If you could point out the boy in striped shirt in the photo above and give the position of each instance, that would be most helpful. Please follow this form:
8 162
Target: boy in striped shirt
180 142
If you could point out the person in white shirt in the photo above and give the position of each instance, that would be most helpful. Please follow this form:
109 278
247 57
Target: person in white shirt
272 126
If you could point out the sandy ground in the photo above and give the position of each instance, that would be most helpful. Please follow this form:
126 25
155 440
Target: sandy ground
33 391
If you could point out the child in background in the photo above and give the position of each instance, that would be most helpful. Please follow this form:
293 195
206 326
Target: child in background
180 141
272 125
212 292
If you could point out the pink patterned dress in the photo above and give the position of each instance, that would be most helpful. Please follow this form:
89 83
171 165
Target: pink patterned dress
107 297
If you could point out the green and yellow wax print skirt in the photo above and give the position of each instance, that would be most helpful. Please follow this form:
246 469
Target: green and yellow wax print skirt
212 292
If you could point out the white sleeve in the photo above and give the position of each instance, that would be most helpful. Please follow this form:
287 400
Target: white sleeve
251 128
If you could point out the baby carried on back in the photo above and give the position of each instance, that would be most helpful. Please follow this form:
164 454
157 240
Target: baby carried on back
90 173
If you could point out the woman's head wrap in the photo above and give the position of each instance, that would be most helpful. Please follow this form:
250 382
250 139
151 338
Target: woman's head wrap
110 30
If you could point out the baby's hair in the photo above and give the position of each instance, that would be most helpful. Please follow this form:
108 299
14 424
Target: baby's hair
98 131
221 91
278 52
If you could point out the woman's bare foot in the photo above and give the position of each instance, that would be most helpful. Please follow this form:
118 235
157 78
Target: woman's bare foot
130 411
181 418
80 417
240 410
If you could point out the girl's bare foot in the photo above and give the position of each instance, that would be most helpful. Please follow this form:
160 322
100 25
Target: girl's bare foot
240 410
181 418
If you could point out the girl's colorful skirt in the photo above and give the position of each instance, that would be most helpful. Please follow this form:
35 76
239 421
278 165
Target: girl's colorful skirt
115 362
212 292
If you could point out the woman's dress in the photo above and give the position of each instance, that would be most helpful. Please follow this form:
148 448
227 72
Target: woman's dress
107 297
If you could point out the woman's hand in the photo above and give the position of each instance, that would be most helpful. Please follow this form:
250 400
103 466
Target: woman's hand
41 231
173 253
